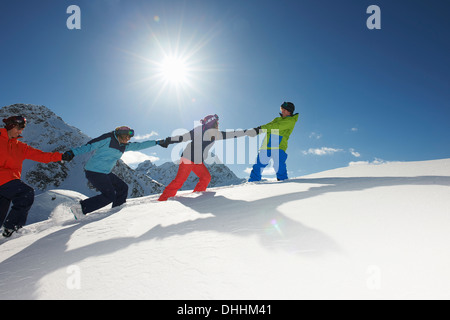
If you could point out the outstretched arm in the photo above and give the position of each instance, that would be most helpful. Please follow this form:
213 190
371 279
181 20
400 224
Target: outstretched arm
176 139
91 146
41 156
222 135
136 146
253 132
281 124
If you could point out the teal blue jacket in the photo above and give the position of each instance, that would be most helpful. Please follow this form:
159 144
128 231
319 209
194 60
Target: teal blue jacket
107 151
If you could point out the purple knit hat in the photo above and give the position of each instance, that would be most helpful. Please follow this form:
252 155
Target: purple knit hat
209 121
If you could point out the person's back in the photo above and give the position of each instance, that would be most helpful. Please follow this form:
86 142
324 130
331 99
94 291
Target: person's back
201 139
278 132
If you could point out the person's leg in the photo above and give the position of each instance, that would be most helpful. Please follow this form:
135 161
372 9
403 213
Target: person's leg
279 164
102 183
261 162
4 207
204 177
121 190
184 170
22 197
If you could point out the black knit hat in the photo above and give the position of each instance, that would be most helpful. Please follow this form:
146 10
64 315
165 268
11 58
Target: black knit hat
13 121
289 106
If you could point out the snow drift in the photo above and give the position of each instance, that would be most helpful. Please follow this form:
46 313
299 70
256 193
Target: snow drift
361 232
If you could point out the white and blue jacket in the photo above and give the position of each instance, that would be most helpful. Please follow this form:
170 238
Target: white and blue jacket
107 151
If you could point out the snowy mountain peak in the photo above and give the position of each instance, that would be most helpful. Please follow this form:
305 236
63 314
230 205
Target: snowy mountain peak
45 130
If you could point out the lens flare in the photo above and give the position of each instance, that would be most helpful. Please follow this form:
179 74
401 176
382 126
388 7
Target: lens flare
276 226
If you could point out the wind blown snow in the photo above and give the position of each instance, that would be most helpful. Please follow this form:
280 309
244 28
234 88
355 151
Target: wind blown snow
360 232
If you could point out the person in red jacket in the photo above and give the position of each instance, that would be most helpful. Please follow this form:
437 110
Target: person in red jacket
12 154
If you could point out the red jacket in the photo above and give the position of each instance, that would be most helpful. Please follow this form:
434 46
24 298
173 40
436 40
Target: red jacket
13 153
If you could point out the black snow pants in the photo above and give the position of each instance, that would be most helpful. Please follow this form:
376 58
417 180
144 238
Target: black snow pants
22 197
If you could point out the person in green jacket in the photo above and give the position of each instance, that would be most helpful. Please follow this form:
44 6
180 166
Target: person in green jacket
275 144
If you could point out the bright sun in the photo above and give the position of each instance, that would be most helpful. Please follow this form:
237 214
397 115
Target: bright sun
171 66
174 70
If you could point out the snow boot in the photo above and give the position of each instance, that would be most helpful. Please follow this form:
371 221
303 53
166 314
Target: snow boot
7 232
77 211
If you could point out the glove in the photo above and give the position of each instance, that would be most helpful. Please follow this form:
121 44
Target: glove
163 143
68 156
253 132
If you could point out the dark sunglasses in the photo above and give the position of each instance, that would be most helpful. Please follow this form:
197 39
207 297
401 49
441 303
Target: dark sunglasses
129 133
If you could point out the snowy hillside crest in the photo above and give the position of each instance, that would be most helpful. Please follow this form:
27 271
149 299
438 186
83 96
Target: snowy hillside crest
360 232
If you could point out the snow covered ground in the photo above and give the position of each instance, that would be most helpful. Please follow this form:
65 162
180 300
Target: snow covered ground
360 232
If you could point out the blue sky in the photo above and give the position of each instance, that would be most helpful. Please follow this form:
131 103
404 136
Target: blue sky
363 95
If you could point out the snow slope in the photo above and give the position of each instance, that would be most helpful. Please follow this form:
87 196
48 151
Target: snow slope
361 232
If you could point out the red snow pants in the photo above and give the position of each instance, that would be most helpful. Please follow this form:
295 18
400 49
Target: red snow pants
184 170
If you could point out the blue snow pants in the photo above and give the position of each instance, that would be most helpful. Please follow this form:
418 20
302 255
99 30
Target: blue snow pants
113 190
279 158
22 197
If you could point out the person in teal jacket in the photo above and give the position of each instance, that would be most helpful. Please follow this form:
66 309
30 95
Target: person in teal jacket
275 144
108 149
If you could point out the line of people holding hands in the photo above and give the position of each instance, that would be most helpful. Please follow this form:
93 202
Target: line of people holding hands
16 197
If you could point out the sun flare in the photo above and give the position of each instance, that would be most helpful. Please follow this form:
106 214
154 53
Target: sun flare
175 62
174 70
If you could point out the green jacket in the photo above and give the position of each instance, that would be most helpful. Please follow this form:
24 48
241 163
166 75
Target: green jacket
278 132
